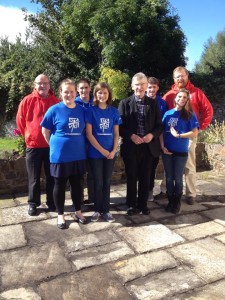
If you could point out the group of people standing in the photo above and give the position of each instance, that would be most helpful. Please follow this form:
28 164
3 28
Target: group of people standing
81 133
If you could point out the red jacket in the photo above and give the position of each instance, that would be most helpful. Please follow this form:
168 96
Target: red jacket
29 116
199 102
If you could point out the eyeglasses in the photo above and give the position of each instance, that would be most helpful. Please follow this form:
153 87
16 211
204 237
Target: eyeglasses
179 76
42 83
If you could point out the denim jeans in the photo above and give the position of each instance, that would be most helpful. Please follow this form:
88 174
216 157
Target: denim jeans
174 169
102 169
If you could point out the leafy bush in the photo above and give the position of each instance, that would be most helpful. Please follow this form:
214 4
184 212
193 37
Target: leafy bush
214 134
20 145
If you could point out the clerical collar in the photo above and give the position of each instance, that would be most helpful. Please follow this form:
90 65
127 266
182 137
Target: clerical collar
139 99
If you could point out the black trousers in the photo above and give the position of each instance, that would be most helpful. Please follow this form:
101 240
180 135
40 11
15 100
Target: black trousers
152 173
76 191
138 169
35 158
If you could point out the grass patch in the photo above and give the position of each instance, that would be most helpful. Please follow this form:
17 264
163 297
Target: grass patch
7 144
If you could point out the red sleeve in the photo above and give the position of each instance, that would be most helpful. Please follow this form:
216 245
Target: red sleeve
205 109
21 117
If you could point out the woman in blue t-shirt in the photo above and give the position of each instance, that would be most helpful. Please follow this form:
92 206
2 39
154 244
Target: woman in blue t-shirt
180 124
63 127
102 129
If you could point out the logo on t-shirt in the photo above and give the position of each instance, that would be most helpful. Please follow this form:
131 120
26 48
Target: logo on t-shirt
74 123
104 124
173 122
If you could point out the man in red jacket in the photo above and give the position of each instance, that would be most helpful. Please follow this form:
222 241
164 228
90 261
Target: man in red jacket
29 116
204 112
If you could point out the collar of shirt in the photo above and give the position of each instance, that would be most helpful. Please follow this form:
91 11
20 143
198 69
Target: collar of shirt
139 100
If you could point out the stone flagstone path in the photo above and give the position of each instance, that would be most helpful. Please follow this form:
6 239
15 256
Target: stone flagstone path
160 256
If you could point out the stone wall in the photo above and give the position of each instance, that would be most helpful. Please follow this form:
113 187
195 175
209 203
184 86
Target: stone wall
13 176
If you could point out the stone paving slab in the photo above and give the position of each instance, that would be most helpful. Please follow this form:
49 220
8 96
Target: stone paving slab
205 257
20 294
214 291
180 221
200 230
160 256
38 232
18 214
217 214
141 265
99 255
97 283
75 243
149 237
7 203
24 266
12 237
165 284
211 188
220 238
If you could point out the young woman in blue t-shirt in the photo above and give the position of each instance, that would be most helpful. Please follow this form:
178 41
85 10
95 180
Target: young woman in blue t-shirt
180 124
102 129
63 127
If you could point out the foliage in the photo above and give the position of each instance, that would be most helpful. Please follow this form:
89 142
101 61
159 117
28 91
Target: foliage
129 36
20 63
77 38
213 57
210 71
117 80
20 145
214 134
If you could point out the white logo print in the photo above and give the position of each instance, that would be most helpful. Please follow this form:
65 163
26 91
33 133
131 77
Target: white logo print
104 124
73 123
173 122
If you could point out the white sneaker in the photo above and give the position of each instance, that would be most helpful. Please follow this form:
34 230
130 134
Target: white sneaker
150 196
95 217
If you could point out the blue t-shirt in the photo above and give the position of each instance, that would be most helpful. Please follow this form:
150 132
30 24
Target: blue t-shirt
162 105
172 119
102 121
67 140
79 101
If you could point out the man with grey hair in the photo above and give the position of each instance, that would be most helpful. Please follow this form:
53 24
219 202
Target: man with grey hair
29 116
140 131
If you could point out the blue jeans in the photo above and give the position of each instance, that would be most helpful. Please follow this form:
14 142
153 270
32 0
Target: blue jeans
174 169
102 169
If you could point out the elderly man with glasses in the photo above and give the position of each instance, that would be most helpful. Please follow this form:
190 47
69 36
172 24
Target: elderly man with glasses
29 116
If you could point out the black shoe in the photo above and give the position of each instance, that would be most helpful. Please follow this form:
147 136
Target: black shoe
62 226
160 196
176 208
145 211
131 211
190 200
32 210
169 207
81 220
